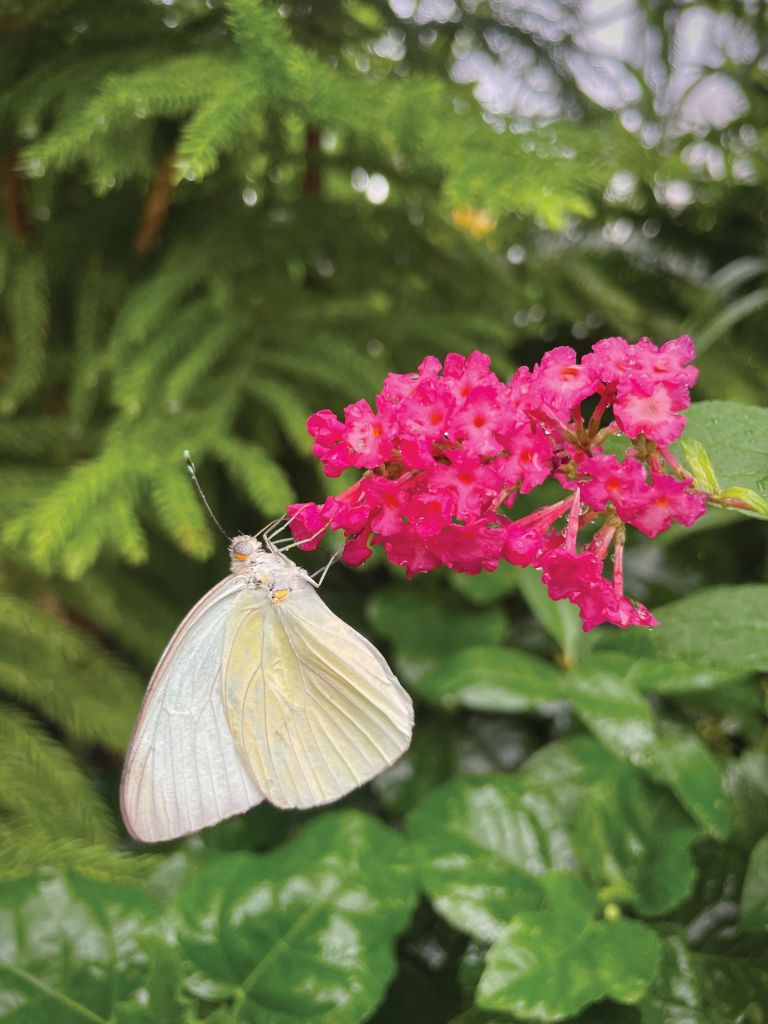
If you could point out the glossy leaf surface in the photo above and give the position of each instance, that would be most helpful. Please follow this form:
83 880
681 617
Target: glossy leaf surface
72 949
735 437
549 963
500 679
631 837
717 627
303 932
692 987
479 846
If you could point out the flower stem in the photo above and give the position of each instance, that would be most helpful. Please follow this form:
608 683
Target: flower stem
573 522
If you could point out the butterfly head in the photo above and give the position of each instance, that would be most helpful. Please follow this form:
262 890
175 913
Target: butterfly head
243 552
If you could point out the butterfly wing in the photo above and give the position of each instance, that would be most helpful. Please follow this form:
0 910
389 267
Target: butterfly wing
313 707
183 771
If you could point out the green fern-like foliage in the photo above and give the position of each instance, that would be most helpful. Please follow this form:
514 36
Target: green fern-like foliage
192 256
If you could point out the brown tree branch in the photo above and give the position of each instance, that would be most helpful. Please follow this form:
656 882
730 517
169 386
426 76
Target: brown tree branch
13 200
155 211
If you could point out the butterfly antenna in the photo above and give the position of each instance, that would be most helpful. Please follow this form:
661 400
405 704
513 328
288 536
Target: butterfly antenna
193 473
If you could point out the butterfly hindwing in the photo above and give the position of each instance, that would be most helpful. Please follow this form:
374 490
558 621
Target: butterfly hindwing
183 771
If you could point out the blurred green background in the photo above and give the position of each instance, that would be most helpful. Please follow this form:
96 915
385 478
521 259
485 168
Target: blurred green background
219 217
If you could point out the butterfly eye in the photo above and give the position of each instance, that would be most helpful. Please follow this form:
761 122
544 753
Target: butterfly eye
242 548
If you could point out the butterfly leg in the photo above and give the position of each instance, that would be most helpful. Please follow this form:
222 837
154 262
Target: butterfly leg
322 572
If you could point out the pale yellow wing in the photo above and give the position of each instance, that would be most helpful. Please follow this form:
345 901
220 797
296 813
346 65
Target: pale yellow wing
312 706
182 771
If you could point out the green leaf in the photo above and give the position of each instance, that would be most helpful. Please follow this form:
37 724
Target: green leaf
559 618
634 841
631 838
717 627
754 895
479 845
164 1002
604 691
550 963
425 625
703 989
675 678
680 760
72 947
698 461
492 679
611 707
758 505
305 931
735 437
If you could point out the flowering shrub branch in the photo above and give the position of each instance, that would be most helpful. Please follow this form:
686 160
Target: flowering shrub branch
447 451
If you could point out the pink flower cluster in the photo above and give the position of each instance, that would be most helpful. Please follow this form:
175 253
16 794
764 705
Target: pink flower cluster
447 450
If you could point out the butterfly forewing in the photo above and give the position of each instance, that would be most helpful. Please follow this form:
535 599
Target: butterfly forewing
183 771
312 706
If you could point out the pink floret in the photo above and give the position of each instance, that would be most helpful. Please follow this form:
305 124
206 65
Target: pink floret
665 501
559 382
608 480
478 420
308 524
366 436
648 407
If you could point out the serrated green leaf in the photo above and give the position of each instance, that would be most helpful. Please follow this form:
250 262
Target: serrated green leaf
634 841
680 760
717 627
303 932
550 963
611 707
492 679
479 846
605 695
72 947
161 1000
630 837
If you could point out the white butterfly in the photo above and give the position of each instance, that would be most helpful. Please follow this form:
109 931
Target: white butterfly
262 693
